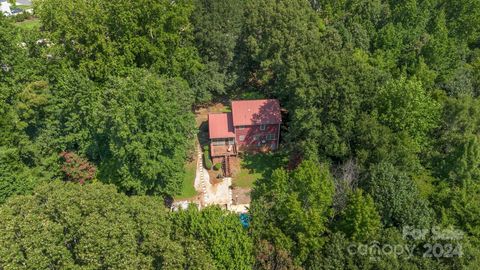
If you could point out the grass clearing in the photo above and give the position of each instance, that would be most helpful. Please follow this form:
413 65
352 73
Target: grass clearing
29 24
256 166
246 178
188 188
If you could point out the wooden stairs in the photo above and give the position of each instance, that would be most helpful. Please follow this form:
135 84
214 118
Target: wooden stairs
226 166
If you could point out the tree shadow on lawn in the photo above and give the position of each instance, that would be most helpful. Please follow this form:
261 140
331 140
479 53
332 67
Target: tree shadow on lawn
263 163
203 134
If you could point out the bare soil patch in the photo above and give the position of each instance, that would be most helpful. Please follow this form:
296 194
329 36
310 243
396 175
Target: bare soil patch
241 195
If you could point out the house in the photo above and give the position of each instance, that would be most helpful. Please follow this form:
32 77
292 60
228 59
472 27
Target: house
5 8
251 126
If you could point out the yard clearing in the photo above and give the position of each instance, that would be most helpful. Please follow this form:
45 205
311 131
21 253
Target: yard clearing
188 188
246 168
256 166
201 117
30 24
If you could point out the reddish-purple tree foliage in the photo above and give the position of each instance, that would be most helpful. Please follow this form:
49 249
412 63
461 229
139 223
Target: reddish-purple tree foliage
76 168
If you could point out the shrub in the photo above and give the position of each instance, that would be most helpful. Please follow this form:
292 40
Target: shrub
22 16
206 148
76 168
208 161
217 166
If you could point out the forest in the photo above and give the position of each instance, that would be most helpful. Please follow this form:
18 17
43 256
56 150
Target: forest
381 133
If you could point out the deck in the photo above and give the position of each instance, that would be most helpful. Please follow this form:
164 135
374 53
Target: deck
223 150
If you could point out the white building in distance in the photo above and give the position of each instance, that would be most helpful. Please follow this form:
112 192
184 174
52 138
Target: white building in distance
5 8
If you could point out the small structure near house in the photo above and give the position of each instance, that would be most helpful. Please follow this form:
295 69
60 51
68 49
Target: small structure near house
253 125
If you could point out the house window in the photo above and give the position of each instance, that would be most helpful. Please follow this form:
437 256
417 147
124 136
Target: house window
270 137
263 127
256 137
218 141
241 138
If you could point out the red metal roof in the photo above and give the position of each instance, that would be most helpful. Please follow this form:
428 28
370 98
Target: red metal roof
256 112
220 125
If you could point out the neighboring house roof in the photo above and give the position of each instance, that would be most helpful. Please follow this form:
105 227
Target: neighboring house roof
16 11
220 125
256 112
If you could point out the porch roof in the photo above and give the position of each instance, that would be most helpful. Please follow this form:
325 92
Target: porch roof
220 125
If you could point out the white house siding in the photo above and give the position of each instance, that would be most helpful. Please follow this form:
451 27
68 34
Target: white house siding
5 8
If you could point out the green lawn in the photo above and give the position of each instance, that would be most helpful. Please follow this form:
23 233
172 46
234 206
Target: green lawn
246 178
188 189
256 166
24 7
29 24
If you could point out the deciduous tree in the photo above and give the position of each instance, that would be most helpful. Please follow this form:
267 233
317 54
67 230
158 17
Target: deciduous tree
145 130
291 210
397 198
360 220
223 236
66 225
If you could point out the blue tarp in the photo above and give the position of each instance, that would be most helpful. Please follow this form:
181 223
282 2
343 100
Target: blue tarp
245 220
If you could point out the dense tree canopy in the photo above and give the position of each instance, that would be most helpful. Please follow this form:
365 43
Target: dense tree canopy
381 116
69 225
226 241
144 132
295 207
66 225
104 37
360 219
397 197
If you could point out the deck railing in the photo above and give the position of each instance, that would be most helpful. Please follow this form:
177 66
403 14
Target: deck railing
222 150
